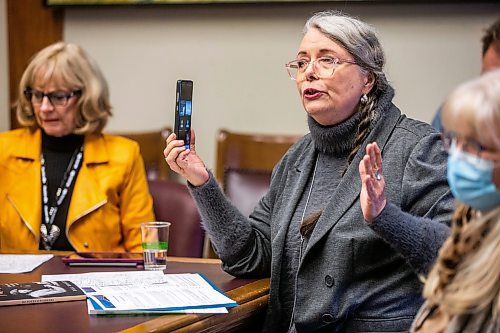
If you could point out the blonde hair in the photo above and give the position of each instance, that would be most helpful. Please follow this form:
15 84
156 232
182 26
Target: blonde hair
477 102
69 65
466 276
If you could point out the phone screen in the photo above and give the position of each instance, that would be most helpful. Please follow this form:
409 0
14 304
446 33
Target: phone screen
183 111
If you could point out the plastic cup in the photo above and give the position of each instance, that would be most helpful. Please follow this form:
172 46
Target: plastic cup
155 245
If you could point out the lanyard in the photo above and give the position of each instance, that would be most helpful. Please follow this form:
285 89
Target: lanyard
49 231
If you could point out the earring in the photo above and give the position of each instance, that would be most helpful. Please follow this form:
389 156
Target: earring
364 99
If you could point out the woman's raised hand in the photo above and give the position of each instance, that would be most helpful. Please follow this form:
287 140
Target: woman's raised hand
184 161
372 196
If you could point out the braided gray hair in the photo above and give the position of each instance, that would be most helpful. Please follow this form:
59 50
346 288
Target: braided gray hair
361 41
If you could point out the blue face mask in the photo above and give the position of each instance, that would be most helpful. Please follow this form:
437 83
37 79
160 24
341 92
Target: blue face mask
471 180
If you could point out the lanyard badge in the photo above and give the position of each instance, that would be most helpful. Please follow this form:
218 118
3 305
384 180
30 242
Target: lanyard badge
48 230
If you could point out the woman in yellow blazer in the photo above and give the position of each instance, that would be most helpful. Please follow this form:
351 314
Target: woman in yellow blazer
64 185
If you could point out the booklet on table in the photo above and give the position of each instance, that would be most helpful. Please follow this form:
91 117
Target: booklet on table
148 292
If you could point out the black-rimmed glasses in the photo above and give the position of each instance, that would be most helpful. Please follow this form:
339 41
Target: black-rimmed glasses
323 67
56 98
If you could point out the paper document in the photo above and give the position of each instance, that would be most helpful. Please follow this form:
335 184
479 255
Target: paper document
140 292
22 263
102 279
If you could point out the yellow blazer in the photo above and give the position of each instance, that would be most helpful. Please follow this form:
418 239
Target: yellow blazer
110 198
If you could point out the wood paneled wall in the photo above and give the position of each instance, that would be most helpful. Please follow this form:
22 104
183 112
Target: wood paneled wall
31 26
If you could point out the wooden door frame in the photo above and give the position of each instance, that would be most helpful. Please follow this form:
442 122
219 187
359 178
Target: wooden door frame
30 27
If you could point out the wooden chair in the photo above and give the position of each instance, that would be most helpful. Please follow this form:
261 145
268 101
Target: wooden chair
245 162
152 144
244 165
173 203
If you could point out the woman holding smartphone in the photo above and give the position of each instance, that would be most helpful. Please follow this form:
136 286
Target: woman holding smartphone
322 243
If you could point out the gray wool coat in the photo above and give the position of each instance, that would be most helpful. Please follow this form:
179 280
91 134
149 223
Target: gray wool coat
353 277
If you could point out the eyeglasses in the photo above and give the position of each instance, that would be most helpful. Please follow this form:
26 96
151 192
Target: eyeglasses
323 67
56 98
452 140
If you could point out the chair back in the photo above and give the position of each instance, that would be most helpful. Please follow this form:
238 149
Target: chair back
245 162
173 203
152 144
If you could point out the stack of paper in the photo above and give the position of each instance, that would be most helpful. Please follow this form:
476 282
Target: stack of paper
21 263
147 292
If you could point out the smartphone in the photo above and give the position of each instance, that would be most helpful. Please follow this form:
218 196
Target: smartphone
183 111
104 259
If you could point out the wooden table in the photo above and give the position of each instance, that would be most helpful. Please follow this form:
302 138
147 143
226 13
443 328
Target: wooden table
250 294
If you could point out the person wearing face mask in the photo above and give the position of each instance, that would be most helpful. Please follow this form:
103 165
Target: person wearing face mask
64 185
330 270
462 290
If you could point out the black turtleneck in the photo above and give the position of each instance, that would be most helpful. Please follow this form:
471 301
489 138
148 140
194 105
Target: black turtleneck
57 152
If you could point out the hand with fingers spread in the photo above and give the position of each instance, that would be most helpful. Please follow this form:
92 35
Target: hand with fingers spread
372 195
184 161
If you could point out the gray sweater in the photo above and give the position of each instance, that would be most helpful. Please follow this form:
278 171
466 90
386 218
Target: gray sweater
351 276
